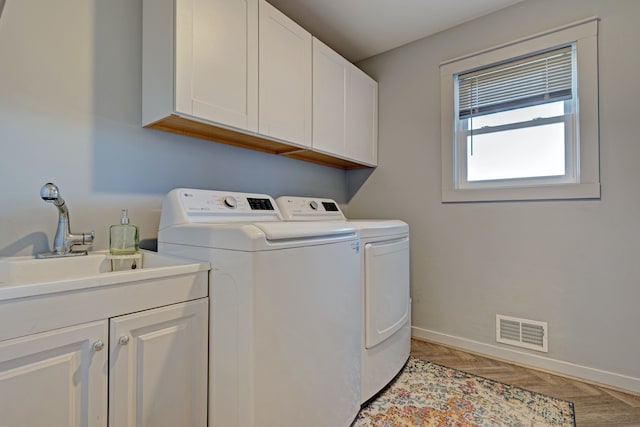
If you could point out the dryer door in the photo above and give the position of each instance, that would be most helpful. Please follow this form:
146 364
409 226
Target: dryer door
386 289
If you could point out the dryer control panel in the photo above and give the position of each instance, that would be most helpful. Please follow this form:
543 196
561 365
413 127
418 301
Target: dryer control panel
185 205
308 209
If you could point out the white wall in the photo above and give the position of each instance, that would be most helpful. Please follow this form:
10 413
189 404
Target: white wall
70 113
574 264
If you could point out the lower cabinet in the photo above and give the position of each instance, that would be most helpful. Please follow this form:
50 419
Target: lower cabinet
158 367
142 369
56 378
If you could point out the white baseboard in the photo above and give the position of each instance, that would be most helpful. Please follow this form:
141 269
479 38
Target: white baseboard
597 376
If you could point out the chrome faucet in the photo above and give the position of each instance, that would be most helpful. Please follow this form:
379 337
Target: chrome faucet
64 241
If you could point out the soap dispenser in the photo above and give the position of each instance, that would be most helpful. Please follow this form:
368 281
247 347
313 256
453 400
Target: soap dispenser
123 237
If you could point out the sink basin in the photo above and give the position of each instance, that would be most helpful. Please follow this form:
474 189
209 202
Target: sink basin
28 276
29 270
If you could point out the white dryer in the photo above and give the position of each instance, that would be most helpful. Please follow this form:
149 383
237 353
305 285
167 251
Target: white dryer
386 315
284 309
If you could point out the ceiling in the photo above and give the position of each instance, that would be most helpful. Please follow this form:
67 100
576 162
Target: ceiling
359 29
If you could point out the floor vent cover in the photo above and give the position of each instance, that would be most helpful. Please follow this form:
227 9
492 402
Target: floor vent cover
525 333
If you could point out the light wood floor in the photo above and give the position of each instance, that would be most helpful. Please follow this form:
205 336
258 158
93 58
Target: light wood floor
594 406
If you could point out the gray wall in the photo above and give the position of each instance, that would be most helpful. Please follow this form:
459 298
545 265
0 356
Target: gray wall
70 113
574 264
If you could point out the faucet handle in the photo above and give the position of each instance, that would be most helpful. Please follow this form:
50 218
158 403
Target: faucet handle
88 237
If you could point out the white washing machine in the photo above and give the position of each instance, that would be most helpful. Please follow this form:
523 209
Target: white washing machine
284 309
386 334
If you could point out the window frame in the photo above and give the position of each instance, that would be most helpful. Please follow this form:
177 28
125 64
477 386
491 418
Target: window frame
585 150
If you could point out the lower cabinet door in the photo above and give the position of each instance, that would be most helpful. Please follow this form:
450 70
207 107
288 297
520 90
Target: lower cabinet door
158 367
56 378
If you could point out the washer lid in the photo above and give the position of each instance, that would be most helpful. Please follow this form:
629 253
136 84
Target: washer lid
380 227
304 230
262 236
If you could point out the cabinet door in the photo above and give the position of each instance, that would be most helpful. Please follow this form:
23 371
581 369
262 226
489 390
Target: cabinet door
158 367
330 89
363 118
56 378
217 61
285 78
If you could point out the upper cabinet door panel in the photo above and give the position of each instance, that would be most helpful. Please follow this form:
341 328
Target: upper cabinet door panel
285 78
363 118
330 90
217 61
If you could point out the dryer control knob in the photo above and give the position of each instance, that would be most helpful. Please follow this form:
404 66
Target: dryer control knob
230 202
313 205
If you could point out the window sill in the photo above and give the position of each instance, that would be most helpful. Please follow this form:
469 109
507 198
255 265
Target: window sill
554 192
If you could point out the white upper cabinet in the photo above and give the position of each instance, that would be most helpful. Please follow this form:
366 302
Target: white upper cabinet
345 108
330 90
216 61
363 118
284 78
240 72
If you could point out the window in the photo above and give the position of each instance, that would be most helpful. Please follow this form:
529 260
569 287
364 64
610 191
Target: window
519 122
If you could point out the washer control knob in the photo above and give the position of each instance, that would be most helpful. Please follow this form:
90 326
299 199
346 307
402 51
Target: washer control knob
230 202
313 205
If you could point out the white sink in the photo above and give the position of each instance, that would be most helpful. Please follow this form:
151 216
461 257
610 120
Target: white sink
28 276
20 270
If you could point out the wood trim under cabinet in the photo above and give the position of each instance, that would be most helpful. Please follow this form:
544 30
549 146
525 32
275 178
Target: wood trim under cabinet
193 128
324 159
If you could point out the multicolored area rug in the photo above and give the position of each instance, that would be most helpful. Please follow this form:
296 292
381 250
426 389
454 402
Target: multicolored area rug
428 394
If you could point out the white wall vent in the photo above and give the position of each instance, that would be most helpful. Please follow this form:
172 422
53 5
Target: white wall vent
530 334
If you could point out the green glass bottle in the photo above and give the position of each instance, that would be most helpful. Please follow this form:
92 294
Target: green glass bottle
123 237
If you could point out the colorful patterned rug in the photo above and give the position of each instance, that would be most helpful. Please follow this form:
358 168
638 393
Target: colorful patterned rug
428 394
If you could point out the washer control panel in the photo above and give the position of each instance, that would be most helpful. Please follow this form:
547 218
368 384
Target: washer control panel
200 201
184 205
260 204
308 209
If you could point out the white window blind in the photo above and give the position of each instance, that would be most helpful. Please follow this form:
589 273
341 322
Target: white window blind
537 79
